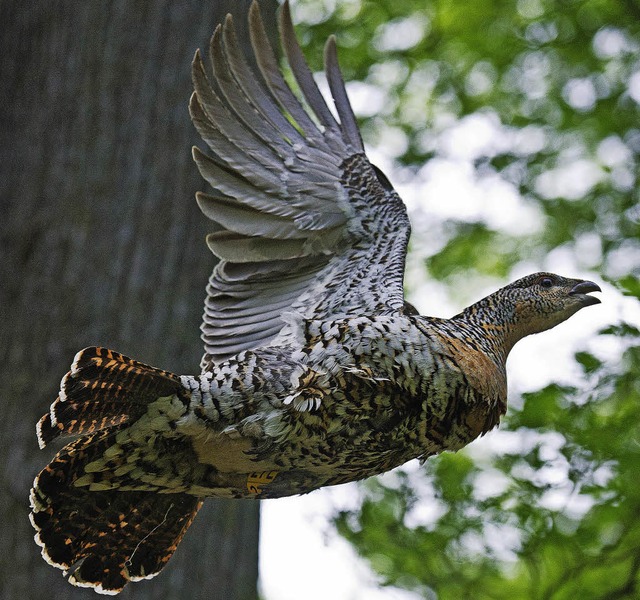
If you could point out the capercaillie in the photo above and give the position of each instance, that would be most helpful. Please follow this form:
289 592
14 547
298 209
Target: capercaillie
315 371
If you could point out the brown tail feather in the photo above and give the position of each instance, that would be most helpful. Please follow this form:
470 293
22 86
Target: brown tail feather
102 537
106 539
103 389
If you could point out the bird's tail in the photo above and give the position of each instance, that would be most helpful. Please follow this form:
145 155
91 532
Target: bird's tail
85 523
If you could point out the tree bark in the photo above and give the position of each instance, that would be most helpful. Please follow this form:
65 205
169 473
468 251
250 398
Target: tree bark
102 243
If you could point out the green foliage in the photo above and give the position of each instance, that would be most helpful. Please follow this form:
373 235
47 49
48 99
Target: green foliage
551 509
476 246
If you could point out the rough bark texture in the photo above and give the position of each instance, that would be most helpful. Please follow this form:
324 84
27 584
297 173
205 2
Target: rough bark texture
102 243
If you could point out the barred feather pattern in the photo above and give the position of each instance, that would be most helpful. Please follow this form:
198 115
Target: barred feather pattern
104 539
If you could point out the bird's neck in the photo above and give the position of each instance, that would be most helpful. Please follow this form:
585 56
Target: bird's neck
494 324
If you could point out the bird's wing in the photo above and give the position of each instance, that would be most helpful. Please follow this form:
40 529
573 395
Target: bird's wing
304 222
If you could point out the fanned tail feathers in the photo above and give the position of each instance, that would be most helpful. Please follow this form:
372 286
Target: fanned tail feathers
104 540
101 536
103 389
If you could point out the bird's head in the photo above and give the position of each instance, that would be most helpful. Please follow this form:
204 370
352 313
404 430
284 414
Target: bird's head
532 304
543 300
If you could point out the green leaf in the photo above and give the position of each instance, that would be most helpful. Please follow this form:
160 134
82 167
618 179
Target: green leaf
588 361
630 285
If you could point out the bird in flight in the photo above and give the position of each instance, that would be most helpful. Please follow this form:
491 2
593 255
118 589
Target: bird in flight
316 371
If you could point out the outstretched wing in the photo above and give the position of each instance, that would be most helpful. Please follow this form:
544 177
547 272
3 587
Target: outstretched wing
304 223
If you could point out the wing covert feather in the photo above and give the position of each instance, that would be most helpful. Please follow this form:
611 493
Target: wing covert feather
304 223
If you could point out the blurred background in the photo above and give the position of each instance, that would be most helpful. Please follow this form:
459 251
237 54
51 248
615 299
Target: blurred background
512 131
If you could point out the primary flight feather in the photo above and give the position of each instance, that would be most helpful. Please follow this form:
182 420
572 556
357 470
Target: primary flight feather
315 371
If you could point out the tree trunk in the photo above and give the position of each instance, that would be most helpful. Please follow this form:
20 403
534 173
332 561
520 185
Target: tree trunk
102 243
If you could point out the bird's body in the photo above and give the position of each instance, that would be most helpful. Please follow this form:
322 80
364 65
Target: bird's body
316 371
354 398
357 397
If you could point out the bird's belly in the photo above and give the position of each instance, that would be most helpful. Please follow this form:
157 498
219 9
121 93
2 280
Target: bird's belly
289 469
346 438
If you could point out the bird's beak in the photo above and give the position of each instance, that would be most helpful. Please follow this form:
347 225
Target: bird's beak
582 289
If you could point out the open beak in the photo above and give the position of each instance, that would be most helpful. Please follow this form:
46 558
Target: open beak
582 289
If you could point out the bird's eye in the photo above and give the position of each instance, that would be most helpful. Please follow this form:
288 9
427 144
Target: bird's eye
546 282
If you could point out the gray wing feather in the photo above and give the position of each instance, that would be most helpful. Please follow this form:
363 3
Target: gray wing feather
302 73
253 91
348 122
276 83
302 223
